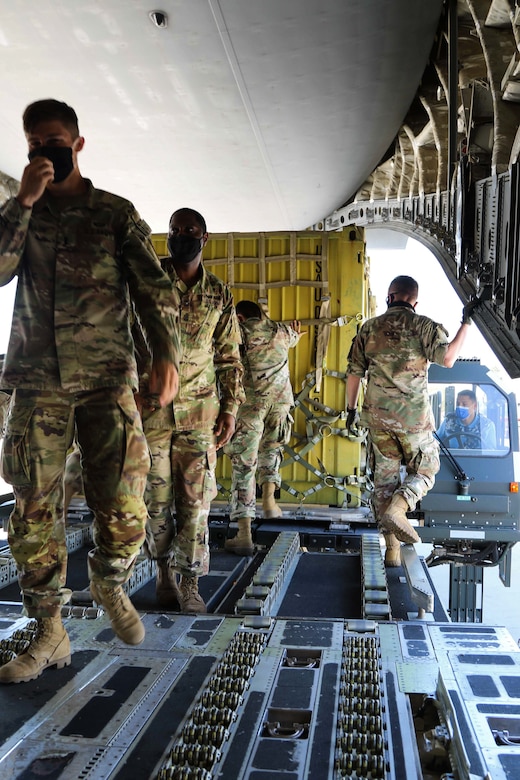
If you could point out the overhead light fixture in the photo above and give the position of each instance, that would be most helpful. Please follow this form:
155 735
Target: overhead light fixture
159 18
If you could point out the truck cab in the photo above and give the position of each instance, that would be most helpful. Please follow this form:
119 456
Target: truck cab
471 515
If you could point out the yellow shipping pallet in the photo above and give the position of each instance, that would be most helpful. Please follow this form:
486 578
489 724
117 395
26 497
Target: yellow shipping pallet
321 279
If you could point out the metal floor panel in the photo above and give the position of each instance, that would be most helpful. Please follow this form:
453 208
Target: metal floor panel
254 697
91 722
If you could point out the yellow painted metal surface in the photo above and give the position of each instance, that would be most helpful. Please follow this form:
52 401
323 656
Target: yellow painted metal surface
320 279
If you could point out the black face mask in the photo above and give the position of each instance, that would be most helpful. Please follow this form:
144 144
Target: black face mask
60 157
184 249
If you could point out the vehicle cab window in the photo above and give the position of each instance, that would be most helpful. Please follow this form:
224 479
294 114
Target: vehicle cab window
471 419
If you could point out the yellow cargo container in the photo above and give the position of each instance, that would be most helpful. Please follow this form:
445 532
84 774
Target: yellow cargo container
321 279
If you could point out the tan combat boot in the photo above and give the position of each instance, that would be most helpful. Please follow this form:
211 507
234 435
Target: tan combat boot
189 599
166 590
50 647
124 618
269 505
395 521
393 550
242 543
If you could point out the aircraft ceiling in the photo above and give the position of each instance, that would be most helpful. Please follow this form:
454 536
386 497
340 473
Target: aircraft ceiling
261 114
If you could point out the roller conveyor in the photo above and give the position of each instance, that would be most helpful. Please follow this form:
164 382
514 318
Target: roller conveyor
271 692
258 696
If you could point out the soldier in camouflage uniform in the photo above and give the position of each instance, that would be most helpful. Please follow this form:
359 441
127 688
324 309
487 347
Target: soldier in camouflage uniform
183 438
393 351
264 420
82 257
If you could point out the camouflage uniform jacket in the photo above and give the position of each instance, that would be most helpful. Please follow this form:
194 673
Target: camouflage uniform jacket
394 351
265 346
80 262
210 372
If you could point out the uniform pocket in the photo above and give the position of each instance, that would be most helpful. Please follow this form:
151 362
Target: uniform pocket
16 453
286 429
137 455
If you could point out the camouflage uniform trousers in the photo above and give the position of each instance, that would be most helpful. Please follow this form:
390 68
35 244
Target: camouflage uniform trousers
388 450
5 400
115 462
255 451
181 481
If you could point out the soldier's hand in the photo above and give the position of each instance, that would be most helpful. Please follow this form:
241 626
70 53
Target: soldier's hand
296 325
164 381
35 178
469 309
352 423
224 429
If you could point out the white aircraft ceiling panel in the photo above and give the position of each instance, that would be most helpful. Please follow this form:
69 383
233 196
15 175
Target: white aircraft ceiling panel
264 115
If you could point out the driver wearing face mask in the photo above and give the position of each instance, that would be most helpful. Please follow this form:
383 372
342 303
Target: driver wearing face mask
466 428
